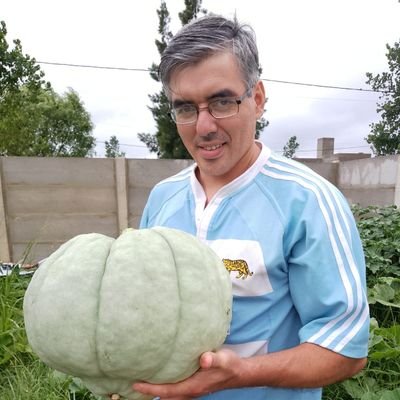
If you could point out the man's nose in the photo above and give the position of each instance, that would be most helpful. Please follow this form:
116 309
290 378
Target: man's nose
205 122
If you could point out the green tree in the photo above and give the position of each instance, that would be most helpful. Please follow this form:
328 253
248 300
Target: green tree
112 148
34 119
166 142
260 125
17 69
191 11
45 124
385 134
289 149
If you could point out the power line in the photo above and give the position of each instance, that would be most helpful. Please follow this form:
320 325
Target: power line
325 86
94 66
263 79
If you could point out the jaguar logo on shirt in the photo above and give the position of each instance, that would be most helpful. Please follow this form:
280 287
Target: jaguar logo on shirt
239 266
245 259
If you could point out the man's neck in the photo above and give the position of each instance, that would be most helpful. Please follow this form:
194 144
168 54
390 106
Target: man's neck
211 184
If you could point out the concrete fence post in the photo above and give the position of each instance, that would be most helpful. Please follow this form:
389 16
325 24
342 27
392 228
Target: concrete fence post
5 255
122 192
397 184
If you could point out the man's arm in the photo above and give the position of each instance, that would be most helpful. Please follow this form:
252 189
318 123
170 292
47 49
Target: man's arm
303 366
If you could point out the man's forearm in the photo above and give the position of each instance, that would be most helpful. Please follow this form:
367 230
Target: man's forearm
306 365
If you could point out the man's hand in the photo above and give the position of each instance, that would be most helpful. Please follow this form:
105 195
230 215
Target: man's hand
304 366
217 371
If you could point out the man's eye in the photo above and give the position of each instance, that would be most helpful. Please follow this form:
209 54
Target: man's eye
224 102
186 109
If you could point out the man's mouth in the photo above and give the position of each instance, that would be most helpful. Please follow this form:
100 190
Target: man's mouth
211 148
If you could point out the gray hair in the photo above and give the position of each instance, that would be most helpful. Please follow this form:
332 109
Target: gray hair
206 36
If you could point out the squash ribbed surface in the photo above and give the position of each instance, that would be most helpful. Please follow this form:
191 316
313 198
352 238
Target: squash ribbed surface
142 307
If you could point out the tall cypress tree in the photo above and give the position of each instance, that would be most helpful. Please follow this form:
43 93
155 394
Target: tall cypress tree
166 141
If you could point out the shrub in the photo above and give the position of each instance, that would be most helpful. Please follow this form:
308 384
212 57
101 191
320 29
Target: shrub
379 229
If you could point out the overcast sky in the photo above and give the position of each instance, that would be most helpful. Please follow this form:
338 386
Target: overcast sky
323 42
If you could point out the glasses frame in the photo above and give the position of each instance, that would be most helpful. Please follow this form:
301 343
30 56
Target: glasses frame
238 101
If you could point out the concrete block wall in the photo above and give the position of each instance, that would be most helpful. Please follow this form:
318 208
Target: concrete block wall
328 170
143 175
46 201
374 181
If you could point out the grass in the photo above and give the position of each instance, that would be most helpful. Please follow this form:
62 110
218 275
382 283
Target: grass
12 334
22 375
27 378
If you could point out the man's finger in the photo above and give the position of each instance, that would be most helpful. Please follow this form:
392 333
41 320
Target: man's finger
220 359
207 360
165 392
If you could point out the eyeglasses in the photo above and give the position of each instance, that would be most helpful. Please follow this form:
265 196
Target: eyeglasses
222 107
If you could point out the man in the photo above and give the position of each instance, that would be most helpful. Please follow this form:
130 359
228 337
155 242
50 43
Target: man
300 314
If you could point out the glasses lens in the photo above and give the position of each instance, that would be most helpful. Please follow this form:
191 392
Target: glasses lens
185 113
222 108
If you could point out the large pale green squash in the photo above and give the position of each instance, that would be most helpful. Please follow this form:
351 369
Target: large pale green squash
141 307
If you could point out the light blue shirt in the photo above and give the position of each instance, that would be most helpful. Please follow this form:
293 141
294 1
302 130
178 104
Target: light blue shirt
296 260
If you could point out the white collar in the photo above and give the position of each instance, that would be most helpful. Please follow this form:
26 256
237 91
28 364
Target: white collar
234 185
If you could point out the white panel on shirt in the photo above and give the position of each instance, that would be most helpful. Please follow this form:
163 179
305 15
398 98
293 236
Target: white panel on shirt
256 281
248 349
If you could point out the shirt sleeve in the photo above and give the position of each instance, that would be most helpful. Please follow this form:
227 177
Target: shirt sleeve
326 268
144 220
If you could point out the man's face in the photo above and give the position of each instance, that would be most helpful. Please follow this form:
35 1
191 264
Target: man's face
222 148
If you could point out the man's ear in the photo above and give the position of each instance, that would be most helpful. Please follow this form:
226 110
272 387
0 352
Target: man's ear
259 98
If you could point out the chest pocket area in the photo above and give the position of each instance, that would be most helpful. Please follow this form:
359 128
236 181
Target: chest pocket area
244 260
